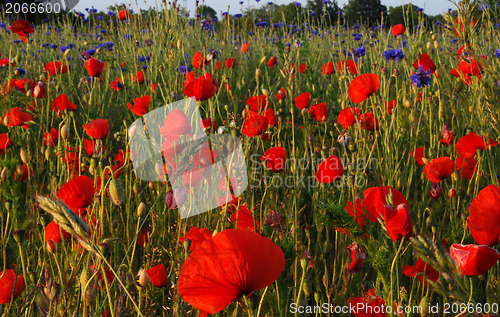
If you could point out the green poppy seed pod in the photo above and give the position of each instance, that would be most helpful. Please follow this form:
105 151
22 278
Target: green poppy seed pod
136 188
187 244
93 163
141 279
8 205
307 287
141 209
48 153
424 306
4 174
65 132
303 264
25 156
116 192
317 297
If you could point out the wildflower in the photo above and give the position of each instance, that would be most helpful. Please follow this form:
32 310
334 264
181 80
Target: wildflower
421 78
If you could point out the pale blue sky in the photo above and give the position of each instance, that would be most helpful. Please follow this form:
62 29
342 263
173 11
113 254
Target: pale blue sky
431 7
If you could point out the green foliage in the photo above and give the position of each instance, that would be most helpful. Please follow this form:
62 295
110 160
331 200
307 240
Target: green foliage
365 11
206 11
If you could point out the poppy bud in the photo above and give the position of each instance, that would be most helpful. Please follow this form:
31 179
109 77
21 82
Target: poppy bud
3 175
39 90
187 244
179 44
136 188
428 45
48 153
25 157
141 209
141 279
395 72
262 60
424 306
65 132
425 160
408 103
436 45
265 92
116 192
303 263
451 193
257 72
151 185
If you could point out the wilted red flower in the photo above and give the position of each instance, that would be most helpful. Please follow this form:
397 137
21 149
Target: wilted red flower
319 112
369 121
231 264
53 235
472 259
398 222
421 267
470 143
426 62
327 69
369 305
273 219
363 87
348 116
94 67
176 123
257 103
141 105
16 117
484 216
275 159
466 166
376 200
230 62
439 169
139 78
243 219
197 236
398 29
124 15
158 275
22 28
55 67
62 103
5 142
350 65
446 136
358 257
10 286
303 100
281 94
390 105
255 126
418 154
272 61
97 129
435 191
77 193
330 170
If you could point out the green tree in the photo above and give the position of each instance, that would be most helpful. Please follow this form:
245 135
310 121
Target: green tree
406 15
204 11
328 9
370 11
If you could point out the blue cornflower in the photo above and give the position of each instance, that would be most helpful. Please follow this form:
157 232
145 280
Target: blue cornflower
497 53
421 77
359 52
394 54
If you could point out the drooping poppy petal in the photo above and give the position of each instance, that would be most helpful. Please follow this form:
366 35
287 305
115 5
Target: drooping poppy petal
16 117
446 136
421 267
358 257
231 264
390 105
363 87
484 216
53 235
275 159
198 60
369 122
5 142
197 236
474 260
330 170
272 61
348 65
22 28
97 129
230 62
327 69
94 67
55 67
439 169
243 219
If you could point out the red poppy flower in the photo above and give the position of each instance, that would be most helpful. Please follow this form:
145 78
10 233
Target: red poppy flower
473 68
218 65
281 94
77 193
23 85
244 47
97 129
254 126
124 15
209 124
484 216
390 105
101 283
197 236
398 29
53 235
51 138
358 257
421 270
230 62
376 200
418 154
426 62
470 143
176 123
94 67
143 237
466 166
398 222
117 85
198 60
302 68
348 116
22 28
93 147
5 142
243 219
10 286
62 103
439 169
459 24
257 103
369 121
466 79
350 65
474 260
303 100
446 136
363 87
16 117
272 61
275 159
357 211
231 264
369 305
319 112
141 105
158 275
268 113
330 170
327 69
56 67
139 78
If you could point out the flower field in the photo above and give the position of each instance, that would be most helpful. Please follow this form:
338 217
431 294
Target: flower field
368 183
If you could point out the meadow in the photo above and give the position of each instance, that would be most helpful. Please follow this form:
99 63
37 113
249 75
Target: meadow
372 164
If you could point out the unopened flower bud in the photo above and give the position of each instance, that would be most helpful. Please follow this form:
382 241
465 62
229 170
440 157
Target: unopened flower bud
25 157
65 132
